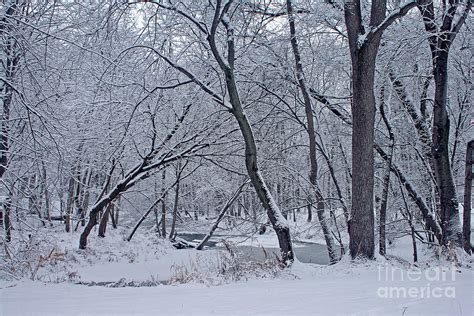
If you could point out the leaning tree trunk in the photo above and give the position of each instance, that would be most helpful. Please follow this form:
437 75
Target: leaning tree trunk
313 174
221 15
220 217
280 225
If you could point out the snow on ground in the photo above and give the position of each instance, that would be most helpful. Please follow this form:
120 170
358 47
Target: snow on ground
214 287
315 290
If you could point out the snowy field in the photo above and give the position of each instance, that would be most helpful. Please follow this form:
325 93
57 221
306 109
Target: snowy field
149 277
313 291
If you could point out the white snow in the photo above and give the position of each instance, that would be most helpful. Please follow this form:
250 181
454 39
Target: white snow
304 289
315 290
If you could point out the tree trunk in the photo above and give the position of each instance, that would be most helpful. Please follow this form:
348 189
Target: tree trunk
117 211
280 225
8 224
103 221
361 224
163 204
409 218
155 212
386 178
363 55
46 193
440 150
175 206
467 198
112 215
440 40
69 204
313 174
309 209
9 61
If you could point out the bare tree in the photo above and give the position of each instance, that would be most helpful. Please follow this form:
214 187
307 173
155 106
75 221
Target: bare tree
226 63
364 42
441 37
313 174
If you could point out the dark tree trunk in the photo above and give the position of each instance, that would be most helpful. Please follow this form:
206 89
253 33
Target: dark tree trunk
140 172
175 208
112 215
8 224
361 228
310 211
386 178
440 151
10 49
440 40
363 46
466 227
45 192
104 220
163 204
274 214
363 55
117 211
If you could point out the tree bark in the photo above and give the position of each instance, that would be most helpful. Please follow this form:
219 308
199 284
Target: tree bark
466 227
8 224
386 178
440 150
175 206
363 45
103 221
163 204
280 225
9 61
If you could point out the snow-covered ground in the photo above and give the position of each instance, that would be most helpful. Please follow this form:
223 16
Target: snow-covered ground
204 283
312 291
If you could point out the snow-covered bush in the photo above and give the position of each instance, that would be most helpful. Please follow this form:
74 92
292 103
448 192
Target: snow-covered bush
34 258
229 265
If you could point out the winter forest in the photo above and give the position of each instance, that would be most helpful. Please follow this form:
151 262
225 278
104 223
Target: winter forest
240 157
